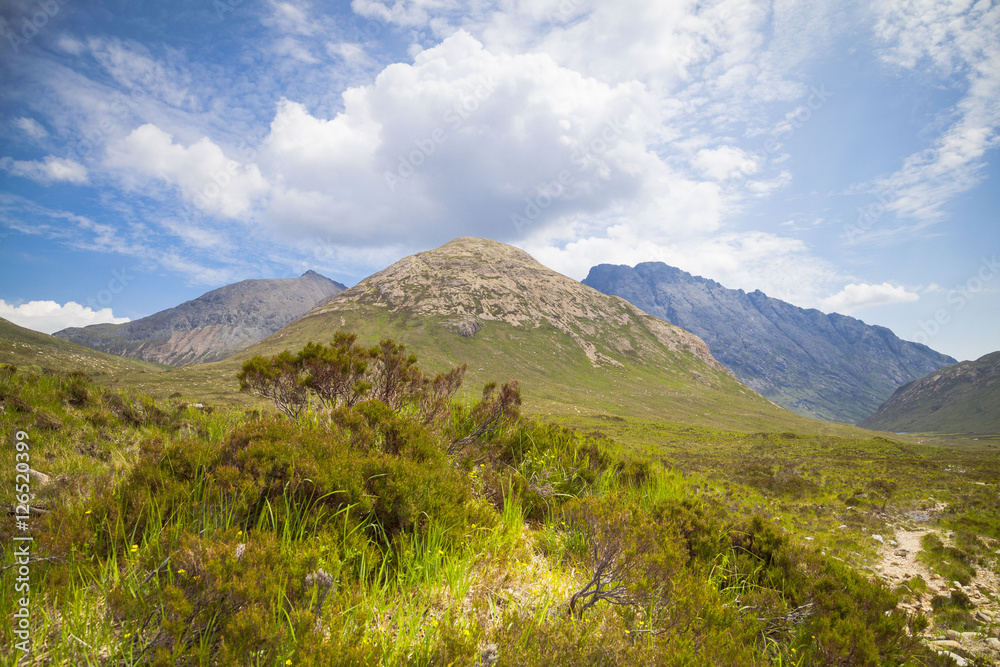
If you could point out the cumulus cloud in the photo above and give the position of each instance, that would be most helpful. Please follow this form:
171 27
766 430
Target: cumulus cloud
462 141
204 175
50 170
854 297
49 317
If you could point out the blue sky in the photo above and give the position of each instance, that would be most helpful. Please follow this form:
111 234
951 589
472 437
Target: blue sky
840 156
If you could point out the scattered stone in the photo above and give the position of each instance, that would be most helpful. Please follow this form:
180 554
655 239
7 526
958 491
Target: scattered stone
893 543
959 660
842 526
488 656
984 616
945 643
39 478
993 643
323 582
901 552
878 538
953 635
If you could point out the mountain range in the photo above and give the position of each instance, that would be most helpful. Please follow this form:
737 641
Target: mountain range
213 326
577 350
964 398
573 349
828 366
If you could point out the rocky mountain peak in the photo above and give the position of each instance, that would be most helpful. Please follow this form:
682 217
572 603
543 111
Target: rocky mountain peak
472 280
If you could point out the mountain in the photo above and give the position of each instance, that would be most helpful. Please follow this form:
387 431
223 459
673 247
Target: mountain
575 350
214 325
24 347
964 398
821 365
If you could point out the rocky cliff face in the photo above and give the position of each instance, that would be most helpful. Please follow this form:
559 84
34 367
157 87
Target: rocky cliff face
964 398
820 365
214 325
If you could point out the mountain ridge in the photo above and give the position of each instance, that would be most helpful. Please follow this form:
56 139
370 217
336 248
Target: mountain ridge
829 366
212 326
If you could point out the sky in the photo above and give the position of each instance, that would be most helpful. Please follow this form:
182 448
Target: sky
835 154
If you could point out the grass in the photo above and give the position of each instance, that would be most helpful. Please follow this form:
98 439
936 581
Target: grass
186 535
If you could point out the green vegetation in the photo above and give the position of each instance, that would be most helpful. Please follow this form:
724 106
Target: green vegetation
410 529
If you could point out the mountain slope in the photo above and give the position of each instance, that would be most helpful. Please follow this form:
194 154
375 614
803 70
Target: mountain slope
828 366
24 347
964 398
214 325
574 350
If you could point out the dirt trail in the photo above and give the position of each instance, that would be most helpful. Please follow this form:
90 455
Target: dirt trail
898 562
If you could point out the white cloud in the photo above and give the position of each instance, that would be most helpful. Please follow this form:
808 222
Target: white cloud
725 162
958 39
205 177
50 170
854 297
505 127
782 267
31 127
288 17
49 317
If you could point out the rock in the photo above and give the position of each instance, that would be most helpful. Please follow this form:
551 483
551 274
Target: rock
893 543
39 478
959 660
488 656
901 552
842 526
878 538
468 327
984 616
946 643
953 635
993 643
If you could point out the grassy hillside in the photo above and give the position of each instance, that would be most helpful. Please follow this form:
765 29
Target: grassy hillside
179 536
959 399
24 347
